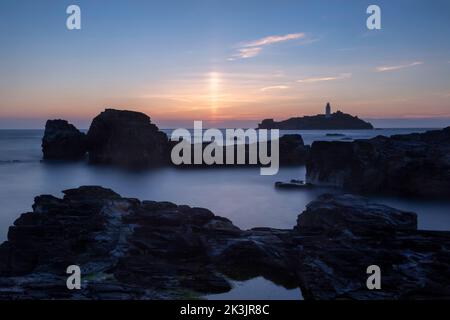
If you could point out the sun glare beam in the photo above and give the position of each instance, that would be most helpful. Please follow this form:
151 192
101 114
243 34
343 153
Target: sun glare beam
214 88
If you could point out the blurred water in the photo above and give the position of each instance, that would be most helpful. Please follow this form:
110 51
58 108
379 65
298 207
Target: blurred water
241 194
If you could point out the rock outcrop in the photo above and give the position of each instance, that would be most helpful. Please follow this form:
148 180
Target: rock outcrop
126 138
293 184
129 139
62 141
131 249
352 213
413 164
335 121
293 150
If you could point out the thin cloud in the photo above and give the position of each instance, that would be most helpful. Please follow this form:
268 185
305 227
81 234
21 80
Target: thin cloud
253 48
245 53
274 88
274 39
398 67
322 79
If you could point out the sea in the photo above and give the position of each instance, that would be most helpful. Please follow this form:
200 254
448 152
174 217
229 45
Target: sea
240 194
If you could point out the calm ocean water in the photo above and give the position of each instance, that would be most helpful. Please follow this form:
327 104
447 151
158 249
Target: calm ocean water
242 195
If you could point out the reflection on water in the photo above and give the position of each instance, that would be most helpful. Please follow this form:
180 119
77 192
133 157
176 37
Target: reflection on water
257 289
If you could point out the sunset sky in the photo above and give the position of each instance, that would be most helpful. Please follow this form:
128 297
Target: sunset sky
230 62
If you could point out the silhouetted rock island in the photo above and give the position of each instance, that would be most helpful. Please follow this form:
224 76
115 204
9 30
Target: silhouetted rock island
63 141
126 138
131 249
129 139
327 121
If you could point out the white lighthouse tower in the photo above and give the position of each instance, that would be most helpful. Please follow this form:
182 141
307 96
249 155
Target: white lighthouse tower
328 110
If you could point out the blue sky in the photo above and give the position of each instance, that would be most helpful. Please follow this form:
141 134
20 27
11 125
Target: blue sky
227 62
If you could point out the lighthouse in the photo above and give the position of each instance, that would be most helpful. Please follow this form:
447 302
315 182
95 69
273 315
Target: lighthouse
328 110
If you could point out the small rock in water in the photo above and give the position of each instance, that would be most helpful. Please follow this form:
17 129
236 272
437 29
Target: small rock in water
335 135
293 184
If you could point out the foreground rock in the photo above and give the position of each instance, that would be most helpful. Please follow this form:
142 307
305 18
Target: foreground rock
62 141
413 164
126 138
128 249
349 213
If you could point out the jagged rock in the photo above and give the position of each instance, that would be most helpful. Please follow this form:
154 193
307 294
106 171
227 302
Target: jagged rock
62 141
128 249
126 138
413 164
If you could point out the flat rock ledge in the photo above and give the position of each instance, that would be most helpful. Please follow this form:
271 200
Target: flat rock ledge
131 249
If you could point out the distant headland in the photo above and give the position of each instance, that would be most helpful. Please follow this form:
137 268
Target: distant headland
326 121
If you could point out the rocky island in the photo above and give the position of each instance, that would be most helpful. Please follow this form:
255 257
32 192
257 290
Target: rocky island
130 139
63 141
132 249
327 121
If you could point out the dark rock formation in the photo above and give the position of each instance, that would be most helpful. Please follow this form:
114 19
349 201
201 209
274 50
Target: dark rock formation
352 213
126 138
346 234
293 184
293 150
335 121
413 164
62 141
129 139
335 135
128 249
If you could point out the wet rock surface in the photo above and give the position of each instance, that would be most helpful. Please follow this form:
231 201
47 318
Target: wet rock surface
352 213
62 141
413 164
131 249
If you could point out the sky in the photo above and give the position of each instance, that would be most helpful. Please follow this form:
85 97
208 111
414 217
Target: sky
230 63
